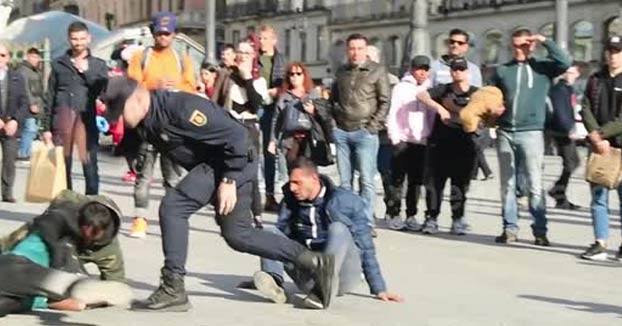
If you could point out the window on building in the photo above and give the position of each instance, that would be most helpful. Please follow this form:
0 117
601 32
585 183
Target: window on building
235 37
493 43
337 54
319 46
288 39
582 40
303 46
393 51
72 9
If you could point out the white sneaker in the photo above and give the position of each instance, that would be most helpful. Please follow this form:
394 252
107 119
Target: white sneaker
395 223
412 224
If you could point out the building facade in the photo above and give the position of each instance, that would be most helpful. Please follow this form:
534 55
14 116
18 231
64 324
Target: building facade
314 31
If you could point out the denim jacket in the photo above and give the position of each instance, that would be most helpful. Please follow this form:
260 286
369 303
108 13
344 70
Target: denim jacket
337 205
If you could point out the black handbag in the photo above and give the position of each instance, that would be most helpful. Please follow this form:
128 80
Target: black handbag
295 118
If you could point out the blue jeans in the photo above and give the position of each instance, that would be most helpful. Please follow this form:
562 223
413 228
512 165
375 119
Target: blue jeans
600 210
347 262
522 150
269 159
28 133
361 148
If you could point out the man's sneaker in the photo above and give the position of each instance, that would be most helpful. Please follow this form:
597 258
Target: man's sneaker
170 296
506 237
139 228
458 227
271 205
595 252
101 293
395 223
430 226
567 205
412 224
542 241
267 286
312 302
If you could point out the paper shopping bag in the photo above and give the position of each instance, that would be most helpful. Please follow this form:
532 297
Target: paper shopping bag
47 176
605 169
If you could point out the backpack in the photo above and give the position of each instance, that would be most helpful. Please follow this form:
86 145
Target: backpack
147 56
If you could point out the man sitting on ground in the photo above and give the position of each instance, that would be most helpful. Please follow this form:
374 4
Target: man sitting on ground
325 218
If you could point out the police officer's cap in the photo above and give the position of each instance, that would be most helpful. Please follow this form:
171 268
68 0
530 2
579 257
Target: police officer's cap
116 93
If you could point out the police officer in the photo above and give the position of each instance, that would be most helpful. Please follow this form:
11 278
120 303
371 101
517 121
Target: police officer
205 140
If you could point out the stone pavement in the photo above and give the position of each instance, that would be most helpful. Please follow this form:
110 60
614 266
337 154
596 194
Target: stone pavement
446 280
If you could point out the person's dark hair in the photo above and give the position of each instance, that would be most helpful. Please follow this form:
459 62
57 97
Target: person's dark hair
356 36
97 216
209 66
458 31
228 46
521 32
77 27
33 51
303 163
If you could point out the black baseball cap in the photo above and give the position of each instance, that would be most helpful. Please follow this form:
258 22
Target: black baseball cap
614 43
420 61
458 64
117 91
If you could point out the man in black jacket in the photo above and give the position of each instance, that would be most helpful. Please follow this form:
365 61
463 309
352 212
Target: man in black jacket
13 108
76 80
561 125
33 78
360 99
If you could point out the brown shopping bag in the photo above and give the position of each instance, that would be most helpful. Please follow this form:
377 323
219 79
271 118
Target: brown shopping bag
47 176
605 169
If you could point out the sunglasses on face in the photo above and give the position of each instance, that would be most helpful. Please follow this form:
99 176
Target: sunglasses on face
459 68
457 42
295 73
163 34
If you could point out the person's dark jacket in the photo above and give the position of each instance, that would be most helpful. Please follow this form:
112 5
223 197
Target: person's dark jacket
17 101
194 130
561 120
360 97
601 108
34 87
67 87
337 205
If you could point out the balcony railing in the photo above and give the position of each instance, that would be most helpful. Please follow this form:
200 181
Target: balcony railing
451 6
369 10
269 7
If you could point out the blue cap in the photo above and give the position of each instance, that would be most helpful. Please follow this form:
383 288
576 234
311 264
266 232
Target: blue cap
164 22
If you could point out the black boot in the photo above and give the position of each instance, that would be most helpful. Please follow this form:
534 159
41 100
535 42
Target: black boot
9 305
170 296
323 269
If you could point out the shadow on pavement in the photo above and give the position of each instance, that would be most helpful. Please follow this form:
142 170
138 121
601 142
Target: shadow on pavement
16 216
54 318
578 305
221 282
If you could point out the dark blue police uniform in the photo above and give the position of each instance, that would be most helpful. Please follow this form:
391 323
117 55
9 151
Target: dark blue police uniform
205 140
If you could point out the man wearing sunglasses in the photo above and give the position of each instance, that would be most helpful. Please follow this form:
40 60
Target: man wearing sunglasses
13 110
457 47
525 82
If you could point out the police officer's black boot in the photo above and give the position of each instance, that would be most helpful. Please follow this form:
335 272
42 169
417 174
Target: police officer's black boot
170 296
323 270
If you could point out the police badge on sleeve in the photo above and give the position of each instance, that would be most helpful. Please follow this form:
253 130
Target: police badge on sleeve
198 119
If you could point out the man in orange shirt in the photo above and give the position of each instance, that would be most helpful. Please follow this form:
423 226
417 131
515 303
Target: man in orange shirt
158 67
